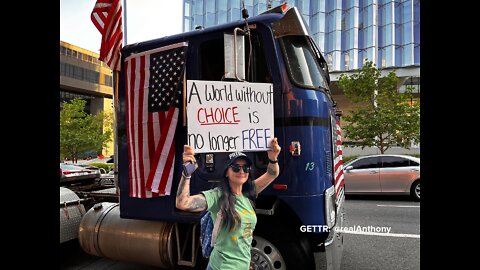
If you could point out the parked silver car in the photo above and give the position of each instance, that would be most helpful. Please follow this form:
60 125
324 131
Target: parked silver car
70 173
383 174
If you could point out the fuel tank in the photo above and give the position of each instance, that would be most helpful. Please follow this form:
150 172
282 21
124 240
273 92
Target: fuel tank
104 233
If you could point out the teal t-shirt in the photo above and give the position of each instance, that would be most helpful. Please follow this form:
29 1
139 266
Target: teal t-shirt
232 248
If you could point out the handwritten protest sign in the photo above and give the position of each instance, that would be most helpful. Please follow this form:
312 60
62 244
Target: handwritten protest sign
229 116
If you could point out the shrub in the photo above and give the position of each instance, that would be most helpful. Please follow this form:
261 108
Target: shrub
348 158
106 166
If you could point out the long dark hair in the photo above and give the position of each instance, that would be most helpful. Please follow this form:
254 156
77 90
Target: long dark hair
227 201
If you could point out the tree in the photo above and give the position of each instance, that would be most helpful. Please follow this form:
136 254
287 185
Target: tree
386 117
81 132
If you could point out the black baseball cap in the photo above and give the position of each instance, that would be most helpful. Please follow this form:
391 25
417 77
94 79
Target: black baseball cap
238 155
232 157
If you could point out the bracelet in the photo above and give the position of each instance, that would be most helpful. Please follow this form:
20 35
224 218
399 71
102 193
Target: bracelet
272 161
186 177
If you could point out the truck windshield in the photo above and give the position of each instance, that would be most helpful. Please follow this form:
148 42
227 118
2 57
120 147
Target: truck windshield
302 64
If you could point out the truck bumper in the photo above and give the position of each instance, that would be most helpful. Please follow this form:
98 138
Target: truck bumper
330 257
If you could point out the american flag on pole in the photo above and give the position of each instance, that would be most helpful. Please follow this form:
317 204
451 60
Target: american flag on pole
338 162
107 17
154 85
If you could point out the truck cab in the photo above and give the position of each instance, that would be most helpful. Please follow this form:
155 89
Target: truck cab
298 213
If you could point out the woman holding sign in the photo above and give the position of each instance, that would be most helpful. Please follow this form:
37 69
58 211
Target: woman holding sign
232 203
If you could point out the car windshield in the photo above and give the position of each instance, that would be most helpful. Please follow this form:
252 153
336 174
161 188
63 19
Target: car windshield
302 65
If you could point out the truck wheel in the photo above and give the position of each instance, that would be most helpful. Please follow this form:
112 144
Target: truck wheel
265 255
415 190
275 247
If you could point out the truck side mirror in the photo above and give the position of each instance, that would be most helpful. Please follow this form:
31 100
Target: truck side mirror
234 50
324 66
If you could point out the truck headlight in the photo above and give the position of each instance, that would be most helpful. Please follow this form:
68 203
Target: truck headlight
330 206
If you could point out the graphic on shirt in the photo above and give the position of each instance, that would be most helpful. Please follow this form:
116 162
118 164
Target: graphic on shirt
247 232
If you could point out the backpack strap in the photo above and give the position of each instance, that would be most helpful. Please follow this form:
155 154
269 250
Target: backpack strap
216 227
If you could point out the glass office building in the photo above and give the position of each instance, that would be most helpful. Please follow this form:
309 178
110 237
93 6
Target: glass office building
348 32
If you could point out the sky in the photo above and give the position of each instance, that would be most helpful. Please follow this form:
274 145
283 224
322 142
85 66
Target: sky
146 19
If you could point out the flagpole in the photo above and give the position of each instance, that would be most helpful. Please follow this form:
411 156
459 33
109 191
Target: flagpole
116 74
115 137
184 98
124 22
110 55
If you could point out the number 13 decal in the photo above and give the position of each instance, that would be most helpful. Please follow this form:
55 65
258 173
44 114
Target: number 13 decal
310 166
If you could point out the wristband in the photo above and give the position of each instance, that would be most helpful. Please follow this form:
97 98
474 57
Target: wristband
272 161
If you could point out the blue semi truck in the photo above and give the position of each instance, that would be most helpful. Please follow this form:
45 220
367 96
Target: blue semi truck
297 214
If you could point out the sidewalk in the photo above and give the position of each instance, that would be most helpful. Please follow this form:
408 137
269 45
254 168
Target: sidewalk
358 151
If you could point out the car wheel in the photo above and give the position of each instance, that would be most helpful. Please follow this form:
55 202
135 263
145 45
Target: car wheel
415 190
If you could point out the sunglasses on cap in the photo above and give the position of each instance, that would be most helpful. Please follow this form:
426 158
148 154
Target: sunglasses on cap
236 168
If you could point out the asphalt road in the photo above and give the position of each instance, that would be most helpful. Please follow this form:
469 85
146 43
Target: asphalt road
364 247
368 249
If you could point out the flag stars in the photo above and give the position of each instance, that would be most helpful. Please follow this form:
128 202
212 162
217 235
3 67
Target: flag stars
166 77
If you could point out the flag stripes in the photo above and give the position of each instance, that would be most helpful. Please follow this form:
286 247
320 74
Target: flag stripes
151 128
338 163
107 18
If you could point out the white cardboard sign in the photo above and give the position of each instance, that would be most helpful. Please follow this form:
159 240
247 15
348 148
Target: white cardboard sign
229 116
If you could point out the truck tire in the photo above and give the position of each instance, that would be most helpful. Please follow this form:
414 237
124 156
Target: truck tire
415 190
277 247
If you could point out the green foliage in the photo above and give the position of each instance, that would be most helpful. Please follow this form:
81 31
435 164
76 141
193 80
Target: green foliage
393 121
106 166
346 159
79 131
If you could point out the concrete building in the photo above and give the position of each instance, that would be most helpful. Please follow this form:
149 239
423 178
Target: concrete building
347 32
83 76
